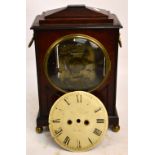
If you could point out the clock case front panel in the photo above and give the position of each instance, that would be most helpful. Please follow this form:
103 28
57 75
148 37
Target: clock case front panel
45 35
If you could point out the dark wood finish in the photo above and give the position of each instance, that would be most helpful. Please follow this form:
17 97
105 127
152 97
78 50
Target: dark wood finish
75 17
74 14
78 21
54 24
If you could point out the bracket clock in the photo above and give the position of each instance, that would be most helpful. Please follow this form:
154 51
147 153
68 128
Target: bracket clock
76 52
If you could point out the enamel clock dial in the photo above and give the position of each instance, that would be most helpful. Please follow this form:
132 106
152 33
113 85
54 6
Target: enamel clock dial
78 121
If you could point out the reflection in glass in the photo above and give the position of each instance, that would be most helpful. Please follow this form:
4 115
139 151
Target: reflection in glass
76 64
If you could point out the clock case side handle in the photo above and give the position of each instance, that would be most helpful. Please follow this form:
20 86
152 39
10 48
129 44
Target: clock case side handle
120 41
31 41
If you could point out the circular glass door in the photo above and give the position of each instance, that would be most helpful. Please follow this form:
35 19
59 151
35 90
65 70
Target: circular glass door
76 62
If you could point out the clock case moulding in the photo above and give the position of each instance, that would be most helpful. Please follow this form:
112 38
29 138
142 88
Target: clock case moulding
54 24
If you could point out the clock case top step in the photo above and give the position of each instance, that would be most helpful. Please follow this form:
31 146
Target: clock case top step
76 17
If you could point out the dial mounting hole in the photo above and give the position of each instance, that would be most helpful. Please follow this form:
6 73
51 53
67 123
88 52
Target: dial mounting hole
69 122
78 120
86 122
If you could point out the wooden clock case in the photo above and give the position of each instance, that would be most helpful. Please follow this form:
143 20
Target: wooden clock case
54 24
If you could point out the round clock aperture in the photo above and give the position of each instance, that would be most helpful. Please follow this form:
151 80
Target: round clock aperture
76 62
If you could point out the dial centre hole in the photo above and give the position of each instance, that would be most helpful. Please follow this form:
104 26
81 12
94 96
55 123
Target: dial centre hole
78 120
69 122
86 122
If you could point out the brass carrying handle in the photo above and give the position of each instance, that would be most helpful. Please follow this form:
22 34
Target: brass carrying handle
31 42
119 41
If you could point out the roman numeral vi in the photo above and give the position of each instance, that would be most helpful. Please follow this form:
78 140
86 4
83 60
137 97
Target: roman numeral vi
66 140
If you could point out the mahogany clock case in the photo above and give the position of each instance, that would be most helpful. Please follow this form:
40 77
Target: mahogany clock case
54 24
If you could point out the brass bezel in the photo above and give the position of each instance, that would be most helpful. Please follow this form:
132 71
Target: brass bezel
66 37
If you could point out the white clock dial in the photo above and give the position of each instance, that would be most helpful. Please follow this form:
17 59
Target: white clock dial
78 121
